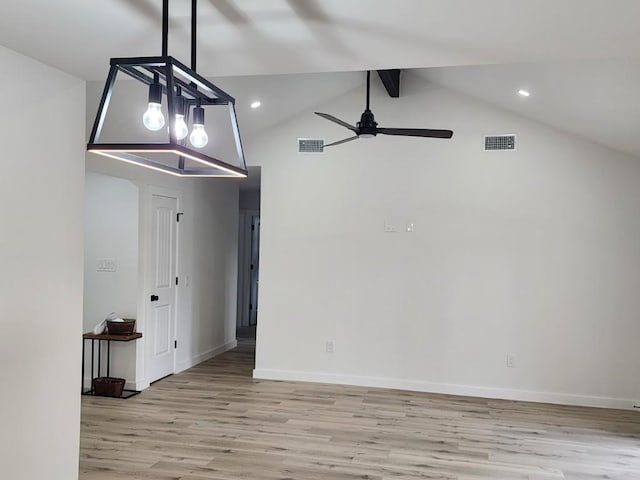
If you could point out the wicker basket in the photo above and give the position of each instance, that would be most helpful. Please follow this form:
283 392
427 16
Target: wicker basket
108 386
127 327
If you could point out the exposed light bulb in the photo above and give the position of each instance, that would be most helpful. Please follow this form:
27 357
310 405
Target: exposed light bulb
524 93
181 128
198 137
256 104
153 118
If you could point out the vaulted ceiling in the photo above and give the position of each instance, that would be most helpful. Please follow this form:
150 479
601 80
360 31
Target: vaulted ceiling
579 58
598 100
250 37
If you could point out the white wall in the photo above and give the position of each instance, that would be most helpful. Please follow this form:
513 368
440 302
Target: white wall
250 199
41 188
534 253
207 256
213 248
111 226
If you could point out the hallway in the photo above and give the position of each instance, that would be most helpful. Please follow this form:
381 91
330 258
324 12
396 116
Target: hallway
215 422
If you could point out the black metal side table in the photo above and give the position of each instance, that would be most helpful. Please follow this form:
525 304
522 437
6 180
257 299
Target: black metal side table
104 338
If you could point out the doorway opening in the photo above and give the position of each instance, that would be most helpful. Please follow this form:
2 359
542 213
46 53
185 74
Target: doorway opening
248 258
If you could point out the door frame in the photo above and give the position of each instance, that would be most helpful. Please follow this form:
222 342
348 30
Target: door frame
147 247
244 261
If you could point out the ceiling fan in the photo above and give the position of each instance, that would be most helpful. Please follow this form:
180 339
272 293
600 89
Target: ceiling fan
368 128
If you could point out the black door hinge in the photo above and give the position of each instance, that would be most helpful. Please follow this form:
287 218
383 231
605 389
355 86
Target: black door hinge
178 216
250 306
251 268
176 280
175 344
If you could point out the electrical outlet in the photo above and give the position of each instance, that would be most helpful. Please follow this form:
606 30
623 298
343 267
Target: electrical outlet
511 361
331 346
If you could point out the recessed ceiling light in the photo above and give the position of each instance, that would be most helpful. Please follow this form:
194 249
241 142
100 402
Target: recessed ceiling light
256 104
524 93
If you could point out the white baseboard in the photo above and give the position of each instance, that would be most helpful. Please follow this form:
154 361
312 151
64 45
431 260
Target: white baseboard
141 383
203 357
449 389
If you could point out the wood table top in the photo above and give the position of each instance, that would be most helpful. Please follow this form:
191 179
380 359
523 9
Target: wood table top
115 338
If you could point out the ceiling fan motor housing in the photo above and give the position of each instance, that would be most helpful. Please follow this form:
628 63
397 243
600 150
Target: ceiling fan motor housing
367 124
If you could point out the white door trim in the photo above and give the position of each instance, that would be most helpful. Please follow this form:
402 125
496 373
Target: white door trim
244 260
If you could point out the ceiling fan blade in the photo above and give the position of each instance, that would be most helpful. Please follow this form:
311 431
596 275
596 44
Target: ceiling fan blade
333 119
144 9
416 132
153 14
309 10
342 141
231 12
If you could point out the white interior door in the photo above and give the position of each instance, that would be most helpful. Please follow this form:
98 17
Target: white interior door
161 317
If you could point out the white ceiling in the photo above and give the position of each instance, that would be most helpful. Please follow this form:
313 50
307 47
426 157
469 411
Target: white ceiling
284 96
250 37
597 100
579 58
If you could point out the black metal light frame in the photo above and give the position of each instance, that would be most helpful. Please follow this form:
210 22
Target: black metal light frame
175 79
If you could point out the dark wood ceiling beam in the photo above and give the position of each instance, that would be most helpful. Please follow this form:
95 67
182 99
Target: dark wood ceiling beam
391 81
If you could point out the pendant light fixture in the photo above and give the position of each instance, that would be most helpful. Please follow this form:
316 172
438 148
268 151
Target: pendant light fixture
175 147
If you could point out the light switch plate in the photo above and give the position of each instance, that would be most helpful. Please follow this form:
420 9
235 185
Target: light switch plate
390 227
106 265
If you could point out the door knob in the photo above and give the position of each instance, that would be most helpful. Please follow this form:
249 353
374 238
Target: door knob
154 298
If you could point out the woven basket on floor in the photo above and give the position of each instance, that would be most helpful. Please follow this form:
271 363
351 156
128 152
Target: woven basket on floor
108 386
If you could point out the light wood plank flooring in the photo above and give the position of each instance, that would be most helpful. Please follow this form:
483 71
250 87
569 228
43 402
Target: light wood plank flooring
215 422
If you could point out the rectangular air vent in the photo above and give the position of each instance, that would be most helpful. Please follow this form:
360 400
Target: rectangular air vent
499 142
310 145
